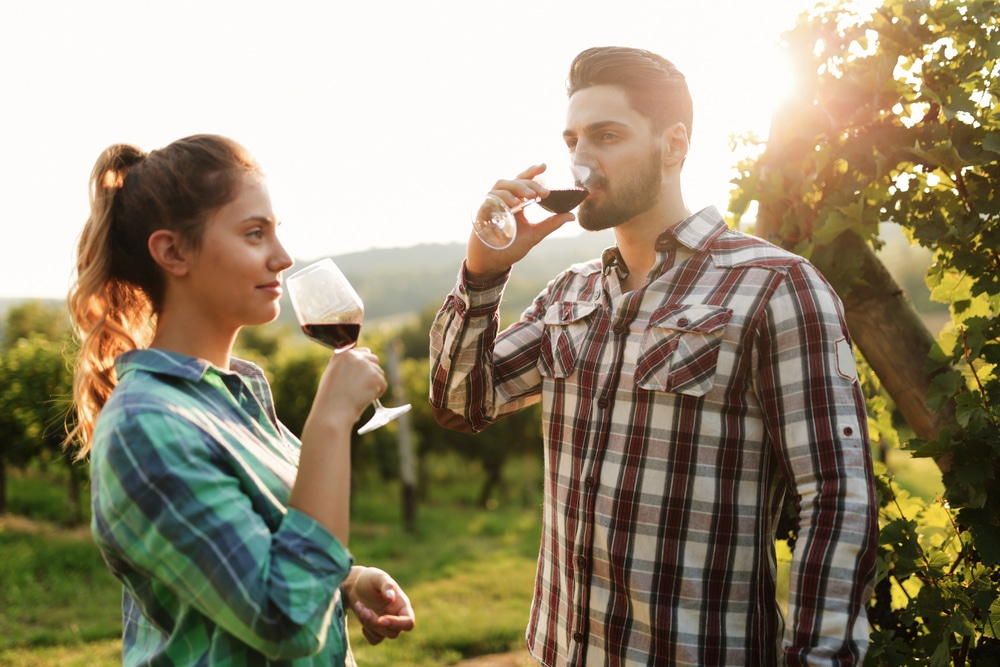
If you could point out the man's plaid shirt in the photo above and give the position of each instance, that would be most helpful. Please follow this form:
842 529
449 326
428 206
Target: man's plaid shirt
676 418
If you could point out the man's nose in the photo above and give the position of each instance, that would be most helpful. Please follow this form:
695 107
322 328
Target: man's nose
583 165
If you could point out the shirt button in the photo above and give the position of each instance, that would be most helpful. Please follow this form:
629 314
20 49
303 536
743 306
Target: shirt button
578 636
602 402
589 482
581 562
683 322
848 430
618 328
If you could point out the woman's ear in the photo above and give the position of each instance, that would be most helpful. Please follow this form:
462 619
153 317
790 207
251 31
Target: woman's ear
676 144
169 252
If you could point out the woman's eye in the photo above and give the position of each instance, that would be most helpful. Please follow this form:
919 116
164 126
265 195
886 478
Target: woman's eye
256 233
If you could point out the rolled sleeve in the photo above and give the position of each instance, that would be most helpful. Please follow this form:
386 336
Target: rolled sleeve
476 375
179 527
815 415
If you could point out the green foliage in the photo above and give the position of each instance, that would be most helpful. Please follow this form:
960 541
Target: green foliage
34 317
897 121
34 398
35 391
294 378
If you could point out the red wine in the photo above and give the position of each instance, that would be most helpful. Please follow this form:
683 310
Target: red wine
337 336
563 201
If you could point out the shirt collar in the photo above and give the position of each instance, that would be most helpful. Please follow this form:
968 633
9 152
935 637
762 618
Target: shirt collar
611 258
182 366
695 232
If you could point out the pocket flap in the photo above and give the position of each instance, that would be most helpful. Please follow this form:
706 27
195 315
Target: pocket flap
567 312
696 318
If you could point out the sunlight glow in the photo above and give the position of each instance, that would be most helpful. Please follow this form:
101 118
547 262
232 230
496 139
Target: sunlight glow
429 115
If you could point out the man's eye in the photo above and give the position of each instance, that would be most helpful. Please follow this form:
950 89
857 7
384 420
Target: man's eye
256 233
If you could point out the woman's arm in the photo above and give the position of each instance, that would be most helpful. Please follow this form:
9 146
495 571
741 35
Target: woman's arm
351 381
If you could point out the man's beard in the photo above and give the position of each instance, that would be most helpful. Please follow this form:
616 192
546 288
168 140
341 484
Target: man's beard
638 193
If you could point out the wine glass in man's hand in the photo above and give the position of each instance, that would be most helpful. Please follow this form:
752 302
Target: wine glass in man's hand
494 221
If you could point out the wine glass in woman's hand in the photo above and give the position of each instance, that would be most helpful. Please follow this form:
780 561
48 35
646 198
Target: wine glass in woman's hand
331 312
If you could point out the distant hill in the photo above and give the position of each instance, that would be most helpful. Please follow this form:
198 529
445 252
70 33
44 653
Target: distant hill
402 281
398 283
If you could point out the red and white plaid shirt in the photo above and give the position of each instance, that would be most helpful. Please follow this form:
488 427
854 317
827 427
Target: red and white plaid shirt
676 418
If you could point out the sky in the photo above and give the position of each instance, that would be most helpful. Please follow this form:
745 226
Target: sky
378 124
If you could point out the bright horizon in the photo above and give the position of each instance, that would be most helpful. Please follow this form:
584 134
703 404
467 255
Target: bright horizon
377 127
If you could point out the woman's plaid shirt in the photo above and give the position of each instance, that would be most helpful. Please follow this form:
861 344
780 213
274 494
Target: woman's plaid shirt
676 420
190 476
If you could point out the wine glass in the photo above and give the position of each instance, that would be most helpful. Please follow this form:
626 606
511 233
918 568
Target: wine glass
330 312
494 221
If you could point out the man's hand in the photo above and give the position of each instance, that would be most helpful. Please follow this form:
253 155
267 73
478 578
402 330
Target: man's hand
483 263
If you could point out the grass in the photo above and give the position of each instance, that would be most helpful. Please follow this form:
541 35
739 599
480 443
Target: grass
468 571
54 586
41 494
103 653
54 590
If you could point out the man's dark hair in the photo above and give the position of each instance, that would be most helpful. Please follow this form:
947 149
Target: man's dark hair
654 86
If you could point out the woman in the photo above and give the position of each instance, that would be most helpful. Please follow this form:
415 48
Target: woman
229 535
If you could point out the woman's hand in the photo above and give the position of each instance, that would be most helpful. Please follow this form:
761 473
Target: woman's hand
379 603
351 381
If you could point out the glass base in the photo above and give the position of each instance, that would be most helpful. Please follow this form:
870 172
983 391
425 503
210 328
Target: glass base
382 417
494 223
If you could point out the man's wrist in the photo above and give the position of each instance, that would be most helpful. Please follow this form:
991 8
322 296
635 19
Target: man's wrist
485 278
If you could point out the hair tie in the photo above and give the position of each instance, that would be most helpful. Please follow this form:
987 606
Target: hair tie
122 161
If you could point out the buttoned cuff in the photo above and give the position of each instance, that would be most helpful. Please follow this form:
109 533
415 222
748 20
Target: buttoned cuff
480 298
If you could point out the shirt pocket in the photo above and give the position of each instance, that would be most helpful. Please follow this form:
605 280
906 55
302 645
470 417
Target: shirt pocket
566 326
680 349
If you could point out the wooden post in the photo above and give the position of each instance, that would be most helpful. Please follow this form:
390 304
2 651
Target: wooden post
408 479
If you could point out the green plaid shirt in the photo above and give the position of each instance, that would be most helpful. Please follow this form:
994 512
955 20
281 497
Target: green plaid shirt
191 472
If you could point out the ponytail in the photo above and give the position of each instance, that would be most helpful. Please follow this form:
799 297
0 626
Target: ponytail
109 315
119 289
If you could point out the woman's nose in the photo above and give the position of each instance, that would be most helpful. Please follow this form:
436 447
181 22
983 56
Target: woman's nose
281 260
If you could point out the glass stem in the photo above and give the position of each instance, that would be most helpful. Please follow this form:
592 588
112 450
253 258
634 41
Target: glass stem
524 203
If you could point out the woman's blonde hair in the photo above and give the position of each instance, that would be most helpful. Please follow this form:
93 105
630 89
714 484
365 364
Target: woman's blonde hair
118 291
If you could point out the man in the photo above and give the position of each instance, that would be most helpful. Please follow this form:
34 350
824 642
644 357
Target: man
690 379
